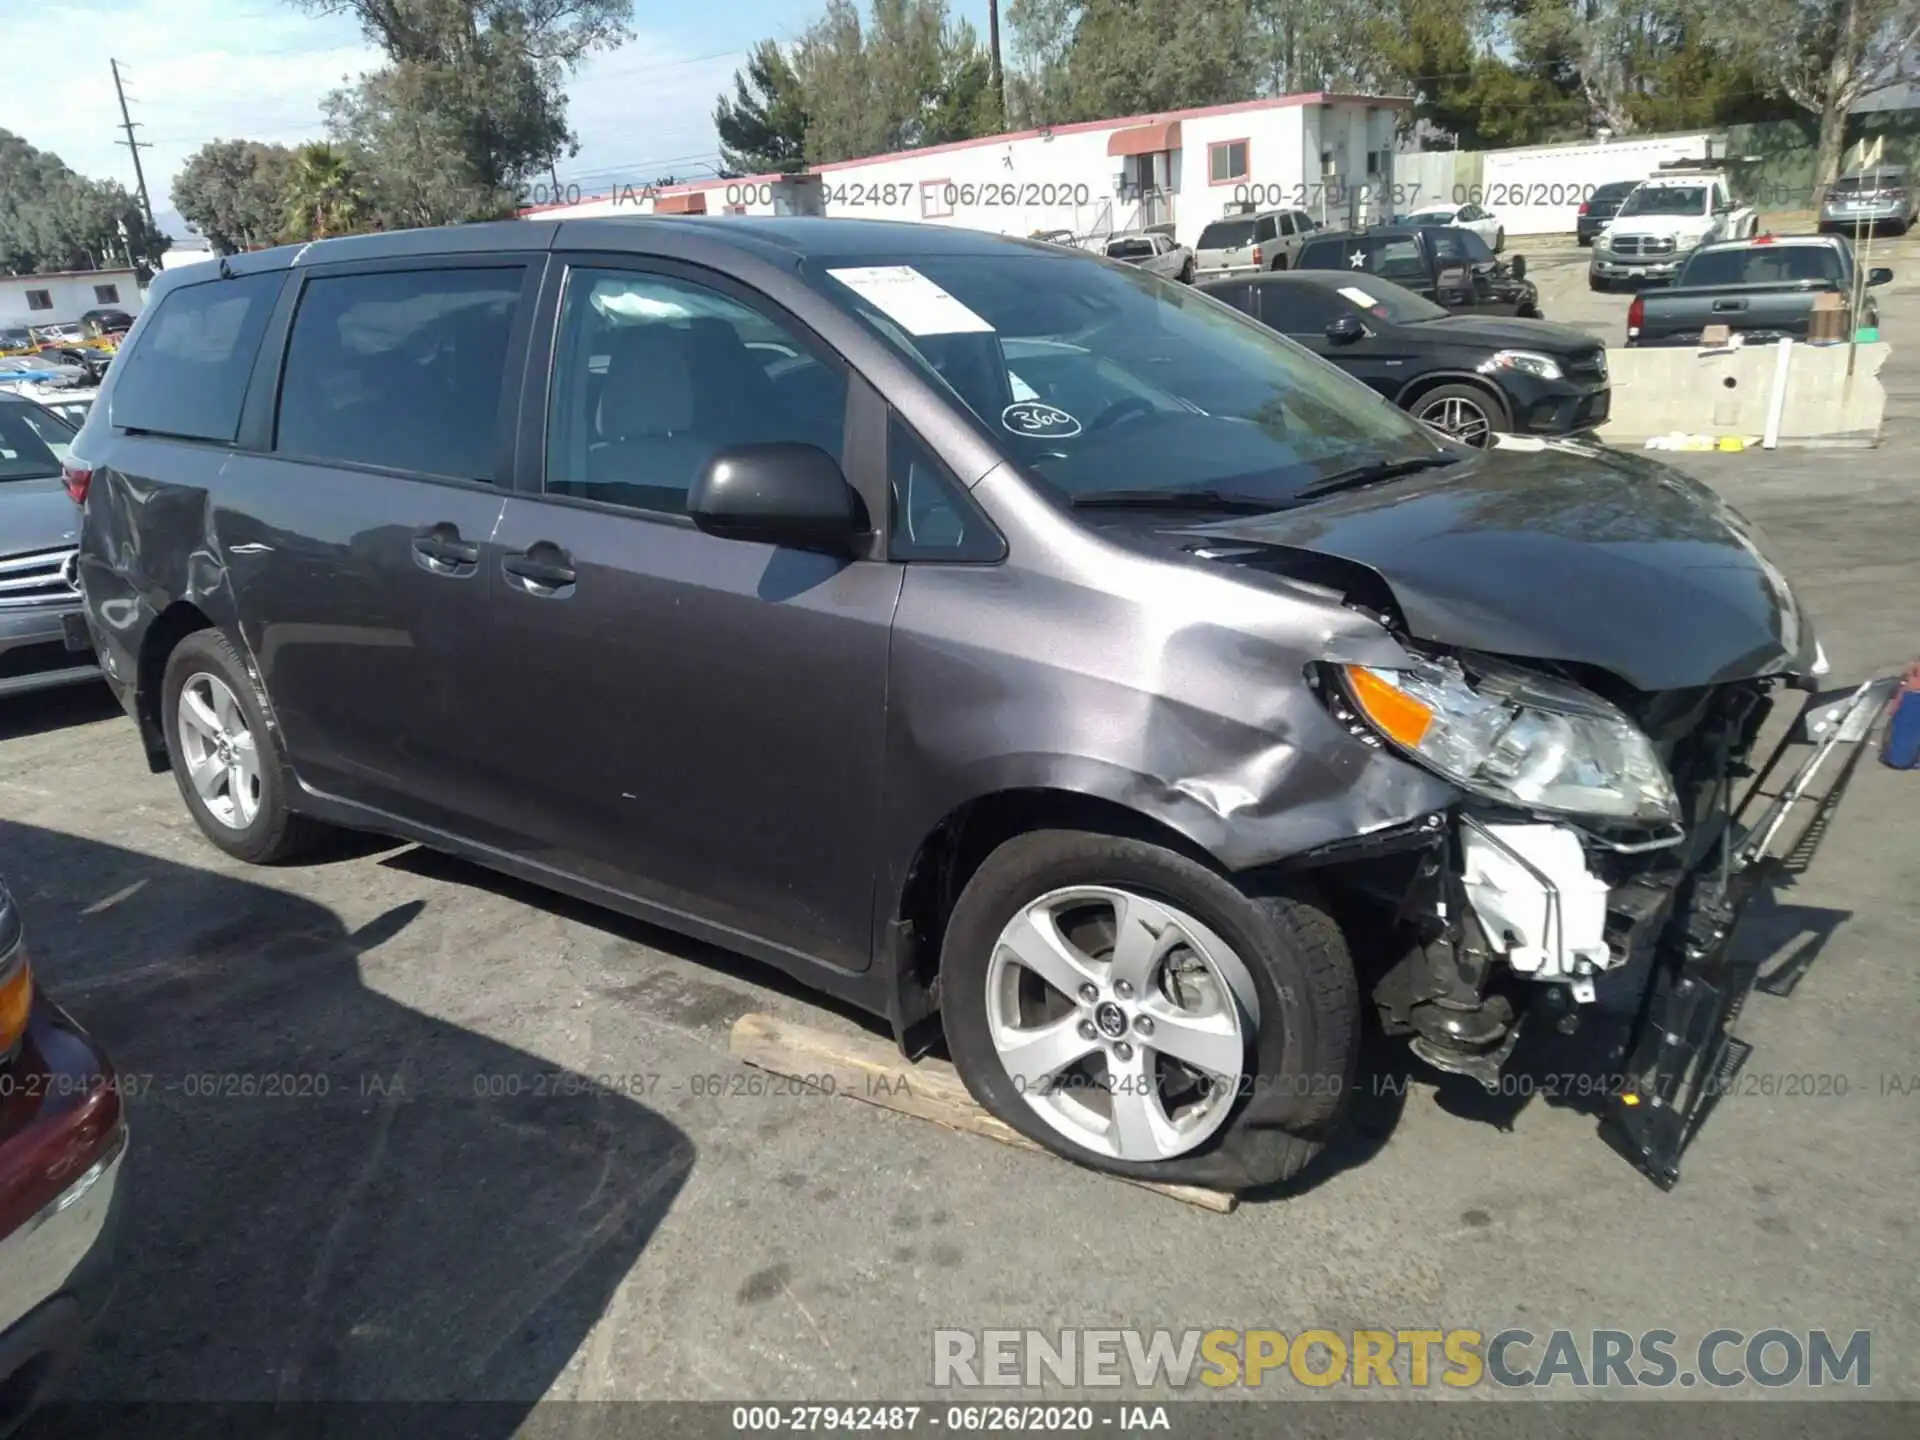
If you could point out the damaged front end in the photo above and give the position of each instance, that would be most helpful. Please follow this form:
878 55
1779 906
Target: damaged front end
1592 880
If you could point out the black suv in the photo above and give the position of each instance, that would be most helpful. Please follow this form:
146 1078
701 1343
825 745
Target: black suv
1450 266
1025 648
1472 376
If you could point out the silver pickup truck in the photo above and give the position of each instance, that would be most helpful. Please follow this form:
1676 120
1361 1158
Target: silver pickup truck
1151 250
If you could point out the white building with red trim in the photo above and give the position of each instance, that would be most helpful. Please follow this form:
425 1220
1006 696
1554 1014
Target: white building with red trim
60 297
1328 154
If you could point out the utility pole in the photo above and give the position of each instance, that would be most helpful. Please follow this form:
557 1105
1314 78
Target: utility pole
134 147
993 47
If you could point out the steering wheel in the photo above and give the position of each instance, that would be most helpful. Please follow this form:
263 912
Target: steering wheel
1119 411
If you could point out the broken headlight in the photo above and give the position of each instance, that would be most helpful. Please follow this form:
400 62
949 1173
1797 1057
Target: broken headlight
1518 738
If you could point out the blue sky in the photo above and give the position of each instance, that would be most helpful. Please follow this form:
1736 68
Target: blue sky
200 70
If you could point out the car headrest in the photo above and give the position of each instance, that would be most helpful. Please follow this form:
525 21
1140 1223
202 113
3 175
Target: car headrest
648 390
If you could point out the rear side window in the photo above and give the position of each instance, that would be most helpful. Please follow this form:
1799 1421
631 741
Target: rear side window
1239 295
1300 309
187 376
1226 235
1268 229
400 369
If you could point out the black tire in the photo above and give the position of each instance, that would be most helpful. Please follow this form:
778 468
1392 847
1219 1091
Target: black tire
1499 241
1301 1071
1489 405
1279 263
1595 283
1583 240
1186 273
275 834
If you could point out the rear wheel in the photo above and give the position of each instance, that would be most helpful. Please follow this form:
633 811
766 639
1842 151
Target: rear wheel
1186 273
1470 415
1131 1009
1499 241
225 756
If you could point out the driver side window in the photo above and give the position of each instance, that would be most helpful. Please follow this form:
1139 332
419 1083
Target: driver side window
933 516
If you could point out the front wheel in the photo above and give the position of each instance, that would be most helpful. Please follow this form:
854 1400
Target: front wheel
1499 241
1135 1011
1468 414
1186 273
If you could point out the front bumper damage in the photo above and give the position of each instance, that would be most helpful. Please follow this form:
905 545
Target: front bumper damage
1517 935
1684 1055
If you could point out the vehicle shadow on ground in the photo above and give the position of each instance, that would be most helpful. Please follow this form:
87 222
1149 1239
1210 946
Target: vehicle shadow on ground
44 710
330 1196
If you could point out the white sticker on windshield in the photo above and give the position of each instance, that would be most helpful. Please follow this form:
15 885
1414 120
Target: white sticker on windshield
1358 296
911 300
1036 417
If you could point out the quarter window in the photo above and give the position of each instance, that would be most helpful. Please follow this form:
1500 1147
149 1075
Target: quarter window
187 376
653 376
933 516
400 369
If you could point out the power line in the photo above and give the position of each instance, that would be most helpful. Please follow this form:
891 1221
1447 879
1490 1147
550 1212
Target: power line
134 147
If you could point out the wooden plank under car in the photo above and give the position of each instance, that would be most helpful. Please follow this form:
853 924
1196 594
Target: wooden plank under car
866 1068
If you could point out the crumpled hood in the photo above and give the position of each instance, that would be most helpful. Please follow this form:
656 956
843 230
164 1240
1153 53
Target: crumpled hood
1602 559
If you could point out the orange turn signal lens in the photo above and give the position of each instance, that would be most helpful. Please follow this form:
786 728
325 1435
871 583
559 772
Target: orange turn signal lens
16 1002
1398 716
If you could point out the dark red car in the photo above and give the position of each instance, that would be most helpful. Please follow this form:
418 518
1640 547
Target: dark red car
62 1139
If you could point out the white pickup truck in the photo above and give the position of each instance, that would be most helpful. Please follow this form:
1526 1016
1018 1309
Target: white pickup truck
1666 218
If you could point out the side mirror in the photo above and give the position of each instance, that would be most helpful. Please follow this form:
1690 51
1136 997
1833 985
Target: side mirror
781 494
1345 330
1518 265
1879 275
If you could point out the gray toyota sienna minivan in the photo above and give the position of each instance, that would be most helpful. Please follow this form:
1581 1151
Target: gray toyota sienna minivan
1040 655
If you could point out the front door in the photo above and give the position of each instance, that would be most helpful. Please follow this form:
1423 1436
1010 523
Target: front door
354 545
1303 313
694 721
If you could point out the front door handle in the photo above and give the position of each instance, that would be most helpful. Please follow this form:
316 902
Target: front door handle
541 569
439 550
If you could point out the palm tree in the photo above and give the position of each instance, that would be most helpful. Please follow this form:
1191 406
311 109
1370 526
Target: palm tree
323 194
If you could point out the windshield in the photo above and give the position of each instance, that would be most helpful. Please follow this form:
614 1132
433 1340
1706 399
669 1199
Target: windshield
1226 235
1861 184
32 443
1097 380
1666 200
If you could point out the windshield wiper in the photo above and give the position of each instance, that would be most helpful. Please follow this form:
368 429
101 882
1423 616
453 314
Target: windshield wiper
1224 501
1372 473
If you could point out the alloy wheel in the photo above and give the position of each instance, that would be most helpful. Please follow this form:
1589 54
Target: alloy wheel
1123 1021
1460 418
220 751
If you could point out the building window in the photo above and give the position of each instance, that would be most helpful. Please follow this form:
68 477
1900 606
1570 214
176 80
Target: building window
936 203
39 300
1226 162
106 294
